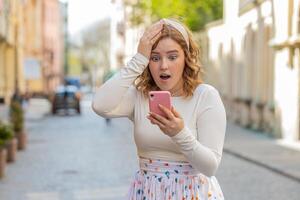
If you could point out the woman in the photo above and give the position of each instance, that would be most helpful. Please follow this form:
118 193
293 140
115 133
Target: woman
178 154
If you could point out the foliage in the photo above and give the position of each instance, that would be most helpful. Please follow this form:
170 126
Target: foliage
16 116
6 133
195 14
75 68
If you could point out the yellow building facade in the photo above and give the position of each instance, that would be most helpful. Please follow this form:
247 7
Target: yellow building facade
252 57
32 60
11 49
29 30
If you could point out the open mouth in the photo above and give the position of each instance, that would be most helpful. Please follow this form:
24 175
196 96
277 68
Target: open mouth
165 76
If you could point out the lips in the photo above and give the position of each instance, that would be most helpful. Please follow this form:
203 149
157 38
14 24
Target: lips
165 76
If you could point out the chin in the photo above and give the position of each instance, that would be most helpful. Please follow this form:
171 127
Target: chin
164 88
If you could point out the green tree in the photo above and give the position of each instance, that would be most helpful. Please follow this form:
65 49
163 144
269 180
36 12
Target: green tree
195 14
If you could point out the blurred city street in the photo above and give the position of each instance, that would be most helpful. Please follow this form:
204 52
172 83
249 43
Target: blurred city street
54 53
81 157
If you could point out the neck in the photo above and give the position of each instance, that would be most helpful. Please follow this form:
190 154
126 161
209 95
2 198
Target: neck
177 92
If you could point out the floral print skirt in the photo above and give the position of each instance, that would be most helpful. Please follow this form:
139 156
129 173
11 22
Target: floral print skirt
165 180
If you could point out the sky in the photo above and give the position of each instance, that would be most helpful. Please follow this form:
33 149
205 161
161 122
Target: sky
82 13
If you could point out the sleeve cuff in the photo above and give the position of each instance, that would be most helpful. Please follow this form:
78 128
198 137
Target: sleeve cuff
185 132
143 59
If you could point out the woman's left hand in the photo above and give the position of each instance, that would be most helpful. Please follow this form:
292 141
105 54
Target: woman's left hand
170 125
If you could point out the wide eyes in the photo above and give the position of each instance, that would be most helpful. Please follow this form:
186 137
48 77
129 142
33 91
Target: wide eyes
156 58
172 57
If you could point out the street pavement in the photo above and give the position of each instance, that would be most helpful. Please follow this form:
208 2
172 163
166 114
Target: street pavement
82 157
258 148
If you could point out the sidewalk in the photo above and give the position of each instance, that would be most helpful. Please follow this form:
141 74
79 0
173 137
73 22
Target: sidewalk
4 112
246 144
262 150
37 108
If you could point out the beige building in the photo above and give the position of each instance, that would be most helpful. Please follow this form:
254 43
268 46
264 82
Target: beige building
124 36
117 34
133 33
43 48
252 57
32 60
52 40
30 47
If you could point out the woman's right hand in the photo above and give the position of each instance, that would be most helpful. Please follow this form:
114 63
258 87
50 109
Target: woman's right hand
149 38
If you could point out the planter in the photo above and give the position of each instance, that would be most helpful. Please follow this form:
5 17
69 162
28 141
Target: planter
3 158
12 147
22 140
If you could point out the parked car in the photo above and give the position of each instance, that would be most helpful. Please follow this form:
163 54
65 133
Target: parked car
66 97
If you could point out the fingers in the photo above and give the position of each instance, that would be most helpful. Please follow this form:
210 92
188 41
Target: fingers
159 118
175 113
166 111
154 30
153 40
149 37
155 121
169 126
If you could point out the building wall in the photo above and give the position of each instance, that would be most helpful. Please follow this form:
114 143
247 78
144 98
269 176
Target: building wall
52 40
257 75
21 39
117 31
22 32
64 36
11 49
286 44
133 33
33 46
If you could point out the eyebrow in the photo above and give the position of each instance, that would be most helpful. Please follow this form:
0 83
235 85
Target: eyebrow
171 51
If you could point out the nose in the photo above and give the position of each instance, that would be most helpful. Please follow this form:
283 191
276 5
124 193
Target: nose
164 64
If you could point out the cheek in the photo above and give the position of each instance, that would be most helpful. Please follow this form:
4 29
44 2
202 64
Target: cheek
179 69
153 70
180 64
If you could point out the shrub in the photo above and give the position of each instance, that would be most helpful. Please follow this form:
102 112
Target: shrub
6 133
16 116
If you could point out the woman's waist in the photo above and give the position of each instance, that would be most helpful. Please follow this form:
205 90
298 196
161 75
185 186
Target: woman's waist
161 155
166 166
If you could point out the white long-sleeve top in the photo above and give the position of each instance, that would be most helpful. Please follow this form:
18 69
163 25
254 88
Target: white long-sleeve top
200 142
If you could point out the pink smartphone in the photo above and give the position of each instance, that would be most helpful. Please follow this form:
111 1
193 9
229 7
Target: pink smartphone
159 97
